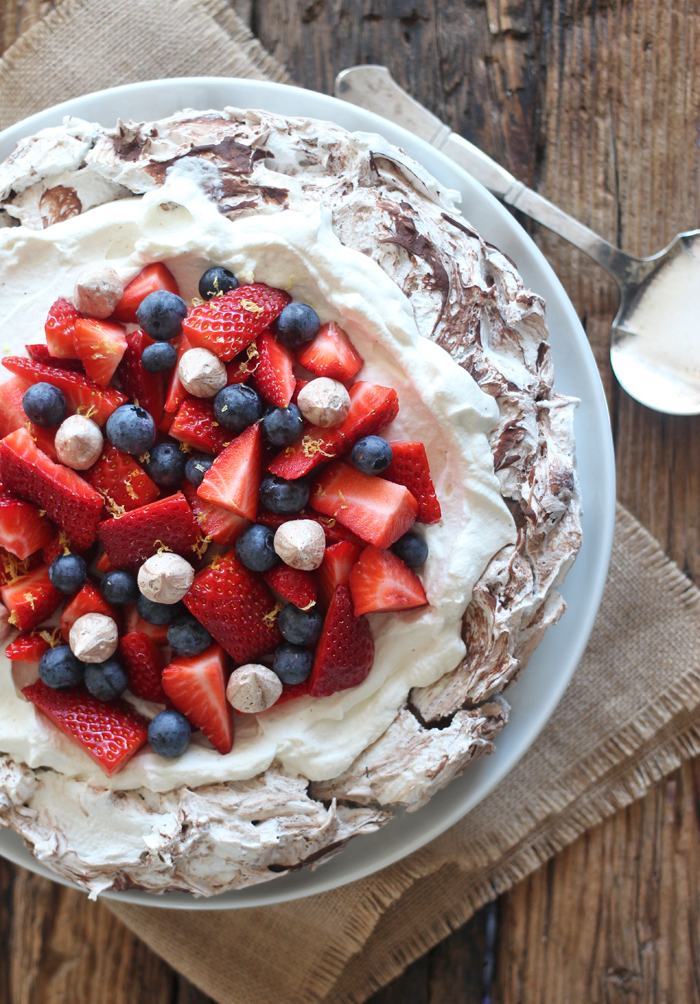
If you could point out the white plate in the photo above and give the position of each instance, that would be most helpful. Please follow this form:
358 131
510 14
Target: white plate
538 692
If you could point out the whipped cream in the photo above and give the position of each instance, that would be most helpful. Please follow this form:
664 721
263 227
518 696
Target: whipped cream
440 405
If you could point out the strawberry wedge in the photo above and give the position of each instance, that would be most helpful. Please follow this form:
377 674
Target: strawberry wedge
335 568
228 323
274 379
222 526
89 600
31 599
168 523
196 685
233 480
23 528
345 651
196 425
293 584
100 346
378 511
331 354
409 467
380 582
176 393
148 389
59 329
13 416
65 497
83 396
29 646
143 663
149 279
121 482
40 354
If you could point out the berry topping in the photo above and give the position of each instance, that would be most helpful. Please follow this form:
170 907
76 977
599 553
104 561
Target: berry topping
292 663
335 569
293 584
237 406
149 279
159 357
371 455
297 324
31 598
169 734
196 424
215 281
59 668
282 426
119 586
78 442
144 388
23 527
68 573
100 346
409 468
44 404
131 429
345 653
381 582
196 467
157 613
233 480
282 496
197 687
13 417
226 324
412 549
222 526
161 314
60 330
186 636
331 354
166 464
143 664
82 395
135 536
273 372
301 627
376 510
255 548
106 680
119 479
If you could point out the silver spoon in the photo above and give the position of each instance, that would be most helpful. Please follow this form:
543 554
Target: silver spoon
655 347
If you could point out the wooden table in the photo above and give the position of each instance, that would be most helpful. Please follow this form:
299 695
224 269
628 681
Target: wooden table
595 104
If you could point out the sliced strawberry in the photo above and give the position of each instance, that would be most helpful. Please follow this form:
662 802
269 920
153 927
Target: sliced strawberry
372 408
293 584
222 526
60 543
133 624
376 510
121 482
196 685
290 691
141 658
236 607
31 645
196 425
228 323
176 393
334 531
13 417
273 378
409 467
11 568
88 600
335 569
149 279
31 599
243 366
100 346
331 354
60 330
345 651
24 528
40 354
109 732
82 395
144 388
381 582
233 480
62 493
168 523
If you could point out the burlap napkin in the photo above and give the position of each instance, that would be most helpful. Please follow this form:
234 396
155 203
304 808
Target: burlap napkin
628 717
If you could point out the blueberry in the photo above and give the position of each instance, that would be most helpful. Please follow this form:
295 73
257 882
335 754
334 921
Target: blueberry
131 429
292 663
186 636
44 404
255 548
169 733
157 613
68 573
282 426
237 406
59 668
302 627
215 280
371 455
412 549
161 314
159 357
120 587
298 323
166 464
106 680
196 467
279 495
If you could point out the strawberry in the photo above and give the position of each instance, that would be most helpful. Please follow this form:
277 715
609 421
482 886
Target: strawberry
88 600
372 408
196 425
380 582
23 527
40 354
376 510
222 526
149 279
176 393
103 564
11 568
141 658
345 651
236 607
290 691
144 388
62 493
133 624
31 599
59 544
334 531
274 379
228 323
135 536
13 417
196 685
233 480
31 645
100 346
109 732
60 330
335 568
293 584
122 483
331 354
243 366
409 467
82 395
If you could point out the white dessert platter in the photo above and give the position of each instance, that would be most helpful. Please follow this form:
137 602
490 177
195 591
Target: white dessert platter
550 669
